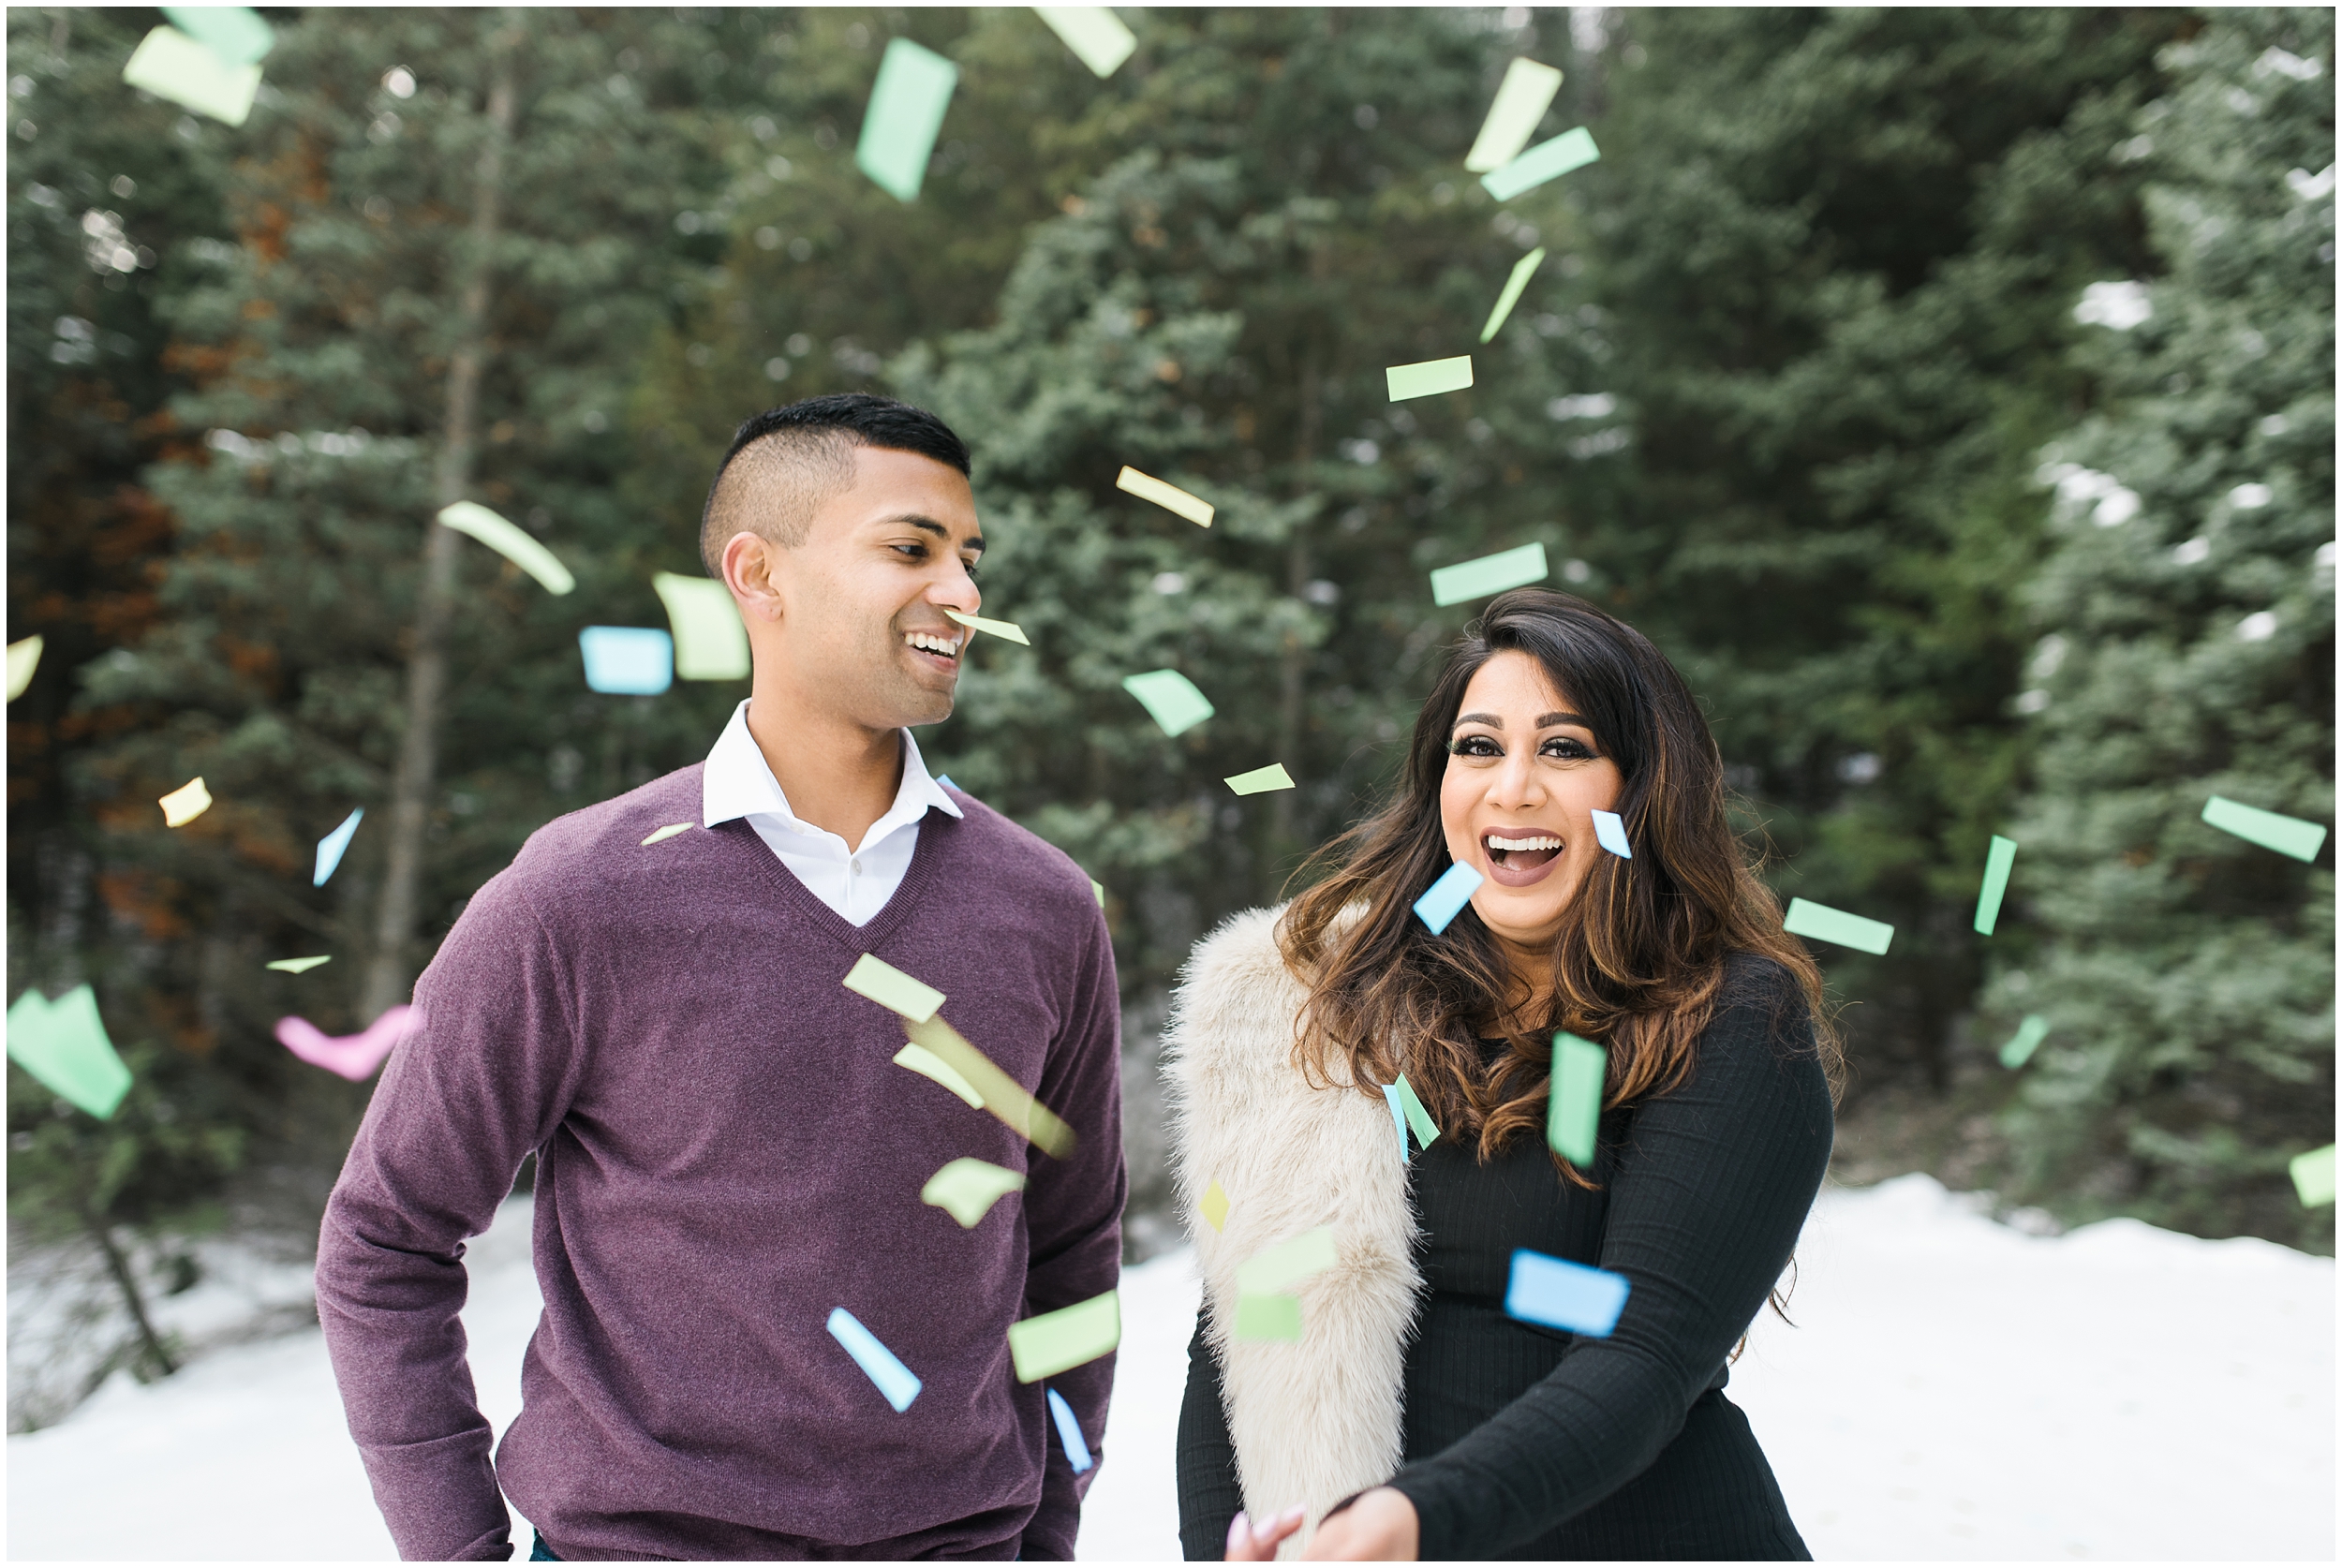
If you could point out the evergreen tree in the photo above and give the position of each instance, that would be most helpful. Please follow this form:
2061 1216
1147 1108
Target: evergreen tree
2187 613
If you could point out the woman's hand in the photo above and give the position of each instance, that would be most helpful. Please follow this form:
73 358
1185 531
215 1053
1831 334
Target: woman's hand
1380 1527
1250 1543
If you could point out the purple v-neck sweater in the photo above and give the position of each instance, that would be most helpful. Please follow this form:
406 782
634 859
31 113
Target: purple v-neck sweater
726 1152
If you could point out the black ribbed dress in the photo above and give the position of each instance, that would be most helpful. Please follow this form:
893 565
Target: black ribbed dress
1526 1442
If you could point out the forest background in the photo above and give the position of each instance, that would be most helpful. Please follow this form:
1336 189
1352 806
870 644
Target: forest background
1948 392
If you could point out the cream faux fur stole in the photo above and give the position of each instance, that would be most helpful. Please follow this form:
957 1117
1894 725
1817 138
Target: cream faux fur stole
1315 1421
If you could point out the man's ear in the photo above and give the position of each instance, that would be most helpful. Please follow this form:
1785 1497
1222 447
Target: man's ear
752 569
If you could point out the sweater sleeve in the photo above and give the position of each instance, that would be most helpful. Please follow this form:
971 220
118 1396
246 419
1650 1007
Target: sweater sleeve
1210 1496
1705 1206
478 1083
1073 1223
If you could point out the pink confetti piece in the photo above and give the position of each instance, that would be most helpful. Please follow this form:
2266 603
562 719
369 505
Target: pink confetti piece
355 1056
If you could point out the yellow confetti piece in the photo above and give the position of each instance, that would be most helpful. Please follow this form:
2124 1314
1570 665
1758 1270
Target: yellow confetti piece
1214 1206
1276 1318
1055 1342
1007 630
1261 780
1428 378
1168 496
23 658
1287 1263
661 835
186 803
170 64
919 1060
883 984
300 966
509 540
1001 1094
967 1188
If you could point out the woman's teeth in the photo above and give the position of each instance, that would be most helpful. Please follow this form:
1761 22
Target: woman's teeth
1535 849
931 642
1542 841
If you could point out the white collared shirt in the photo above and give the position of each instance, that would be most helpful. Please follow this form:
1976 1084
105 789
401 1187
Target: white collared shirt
854 882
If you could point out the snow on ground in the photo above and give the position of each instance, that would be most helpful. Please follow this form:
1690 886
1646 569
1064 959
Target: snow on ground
1955 1389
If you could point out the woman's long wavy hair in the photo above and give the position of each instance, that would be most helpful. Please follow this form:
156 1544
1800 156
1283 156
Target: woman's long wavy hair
1638 969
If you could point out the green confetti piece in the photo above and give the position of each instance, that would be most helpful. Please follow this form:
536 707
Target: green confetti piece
1287 1263
1168 496
23 658
1054 1342
511 542
172 66
1521 100
1490 574
1261 780
919 1060
1826 925
2270 829
1098 891
1170 699
1572 1111
1274 1318
300 966
710 643
234 33
883 984
2313 1176
898 129
967 1188
1007 631
63 1045
660 835
2027 1040
1426 1130
1428 378
1522 271
1094 33
999 1093
1547 160
1997 861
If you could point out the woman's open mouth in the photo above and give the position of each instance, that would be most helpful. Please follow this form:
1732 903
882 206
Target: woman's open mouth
1517 859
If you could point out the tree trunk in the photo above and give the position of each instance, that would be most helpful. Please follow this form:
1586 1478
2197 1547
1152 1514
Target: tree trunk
119 1266
1292 662
389 975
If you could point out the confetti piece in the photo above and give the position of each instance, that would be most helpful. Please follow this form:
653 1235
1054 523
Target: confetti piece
1069 1431
1573 1108
898 129
1547 160
23 658
1276 1318
172 66
1563 1295
1521 100
1826 925
2313 1177
1447 896
1054 1342
1997 860
1214 1206
945 779
660 835
967 1188
2270 829
1522 270
300 966
883 984
1428 378
1398 1119
1001 1094
710 643
1490 574
1261 780
186 803
2028 1037
1007 630
1170 699
330 847
628 660
509 541
1098 37
234 33
895 1382
919 1060
1426 1130
1284 1265
63 1045
353 1055
1168 496
1098 891
1610 828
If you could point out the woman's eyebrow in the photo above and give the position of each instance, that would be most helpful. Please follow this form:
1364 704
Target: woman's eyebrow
1491 720
1547 720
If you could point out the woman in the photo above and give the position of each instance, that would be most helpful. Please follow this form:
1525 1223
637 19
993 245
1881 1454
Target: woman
1413 1417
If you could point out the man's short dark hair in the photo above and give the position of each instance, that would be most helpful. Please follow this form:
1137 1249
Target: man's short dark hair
786 461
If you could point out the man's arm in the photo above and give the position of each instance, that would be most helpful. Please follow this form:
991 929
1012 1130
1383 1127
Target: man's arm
1074 1221
481 1080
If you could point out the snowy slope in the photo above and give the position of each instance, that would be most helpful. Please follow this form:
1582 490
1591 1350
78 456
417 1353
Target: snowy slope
1955 1390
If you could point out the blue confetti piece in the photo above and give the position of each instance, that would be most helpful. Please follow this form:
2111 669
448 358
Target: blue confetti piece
1610 828
330 848
1447 896
628 660
1398 1118
1070 1430
945 779
1559 1294
894 1379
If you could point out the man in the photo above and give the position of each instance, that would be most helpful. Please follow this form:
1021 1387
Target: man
727 1150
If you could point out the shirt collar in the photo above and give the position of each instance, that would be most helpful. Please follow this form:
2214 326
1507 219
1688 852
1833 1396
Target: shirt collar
738 782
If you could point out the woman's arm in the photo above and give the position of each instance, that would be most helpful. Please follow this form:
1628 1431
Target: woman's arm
1705 1207
1209 1495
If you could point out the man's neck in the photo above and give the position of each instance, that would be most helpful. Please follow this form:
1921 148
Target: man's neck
839 776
